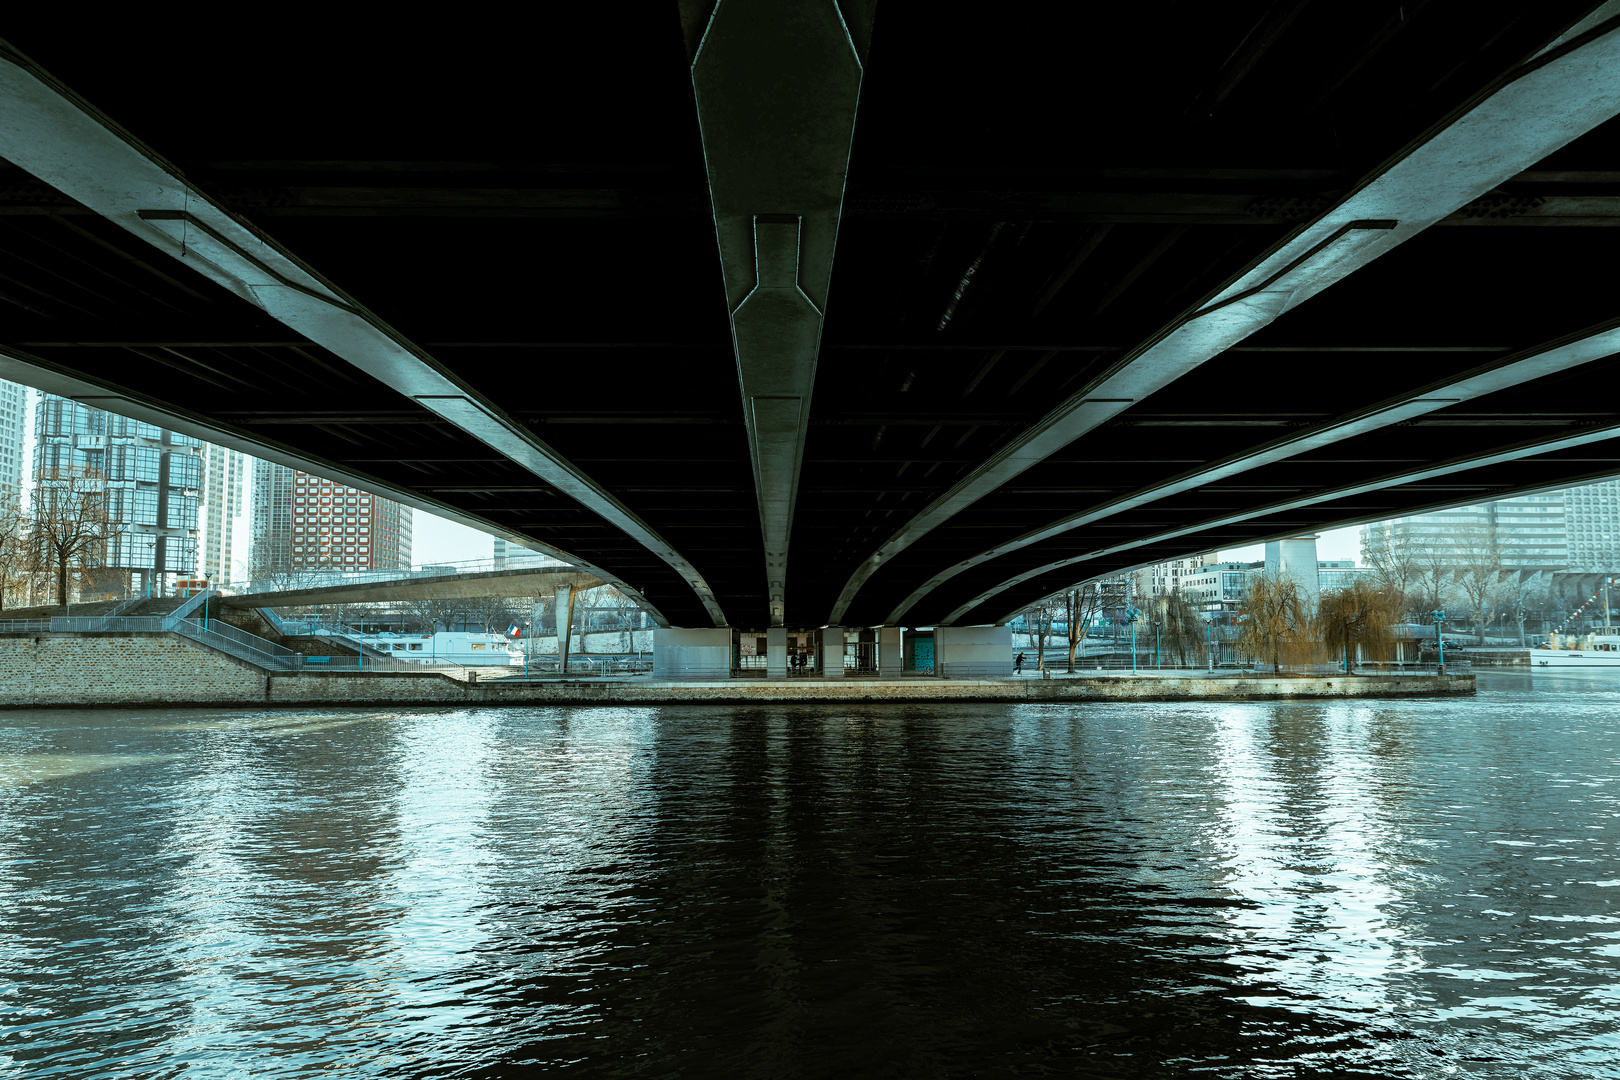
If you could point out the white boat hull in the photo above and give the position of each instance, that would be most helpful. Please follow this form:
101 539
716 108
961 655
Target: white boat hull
1567 658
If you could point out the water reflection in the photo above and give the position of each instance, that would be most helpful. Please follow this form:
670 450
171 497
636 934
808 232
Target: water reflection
1378 889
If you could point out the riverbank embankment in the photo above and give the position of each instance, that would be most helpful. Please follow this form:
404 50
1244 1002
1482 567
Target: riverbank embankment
146 669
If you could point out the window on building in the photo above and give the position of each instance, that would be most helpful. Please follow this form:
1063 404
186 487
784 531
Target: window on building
147 462
145 505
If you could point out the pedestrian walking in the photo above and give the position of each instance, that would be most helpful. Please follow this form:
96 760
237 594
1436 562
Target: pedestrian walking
1018 665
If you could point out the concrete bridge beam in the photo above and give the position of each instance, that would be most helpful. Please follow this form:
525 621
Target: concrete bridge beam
776 83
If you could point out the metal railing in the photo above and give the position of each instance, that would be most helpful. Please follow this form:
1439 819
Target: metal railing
227 639
1114 665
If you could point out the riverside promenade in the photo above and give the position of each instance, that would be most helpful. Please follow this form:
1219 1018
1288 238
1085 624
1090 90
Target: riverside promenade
137 669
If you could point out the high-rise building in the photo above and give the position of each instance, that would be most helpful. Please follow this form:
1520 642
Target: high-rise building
1592 527
1295 558
302 523
224 481
153 477
512 557
13 409
1528 533
271 520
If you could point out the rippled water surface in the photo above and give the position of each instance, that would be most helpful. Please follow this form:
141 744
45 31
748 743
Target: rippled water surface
1379 889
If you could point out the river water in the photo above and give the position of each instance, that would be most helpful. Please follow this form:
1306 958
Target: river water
1372 889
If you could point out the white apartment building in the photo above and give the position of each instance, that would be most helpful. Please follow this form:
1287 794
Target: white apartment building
13 410
1530 531
225 481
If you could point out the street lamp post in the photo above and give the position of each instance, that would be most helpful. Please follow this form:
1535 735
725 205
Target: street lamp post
1131 615
1158 661
1439 616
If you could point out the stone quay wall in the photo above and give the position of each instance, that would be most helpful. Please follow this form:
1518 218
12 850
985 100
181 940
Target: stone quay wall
145 669
121 669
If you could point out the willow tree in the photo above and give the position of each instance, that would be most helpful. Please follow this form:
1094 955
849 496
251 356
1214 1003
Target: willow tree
1180 627
1364 615
1275 624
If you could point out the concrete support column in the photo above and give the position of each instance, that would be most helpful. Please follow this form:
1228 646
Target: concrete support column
565 625
972 652
831 654
692 654
530 646
890 656
776 657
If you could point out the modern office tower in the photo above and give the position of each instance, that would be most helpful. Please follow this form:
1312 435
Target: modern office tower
510 556
1528 533
1295 557
153 477
1592 526
302 523
225 478
13 409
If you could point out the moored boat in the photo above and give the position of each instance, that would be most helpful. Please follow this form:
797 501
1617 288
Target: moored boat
1577 650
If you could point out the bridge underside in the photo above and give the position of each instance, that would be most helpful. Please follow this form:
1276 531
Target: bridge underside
792 314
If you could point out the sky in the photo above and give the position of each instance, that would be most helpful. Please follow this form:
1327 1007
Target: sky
436 540
1332 544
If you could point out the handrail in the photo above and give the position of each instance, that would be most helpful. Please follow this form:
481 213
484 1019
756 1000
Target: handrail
193 603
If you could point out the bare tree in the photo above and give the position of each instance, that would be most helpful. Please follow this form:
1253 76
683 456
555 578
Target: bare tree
69 525
434 615
494 613
1435 568
1480 554
1038 623
1080 606
14 555
1396 566
1524 594
628 615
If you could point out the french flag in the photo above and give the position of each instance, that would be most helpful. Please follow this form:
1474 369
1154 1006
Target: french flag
513 631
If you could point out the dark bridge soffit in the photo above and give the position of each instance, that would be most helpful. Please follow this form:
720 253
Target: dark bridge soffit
1501 455
776 83
18 366
1525 366
1519 120
63 141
